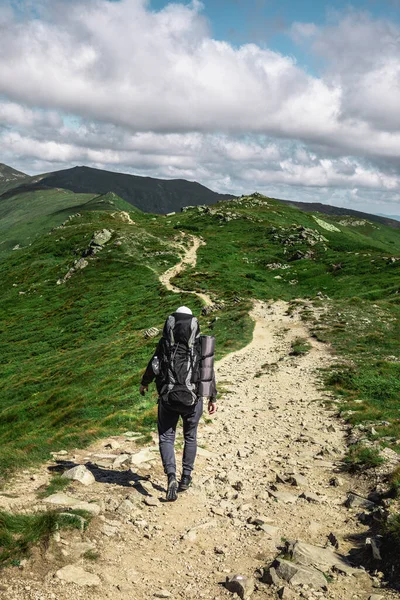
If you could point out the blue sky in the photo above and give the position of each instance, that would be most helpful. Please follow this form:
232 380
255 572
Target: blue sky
300 101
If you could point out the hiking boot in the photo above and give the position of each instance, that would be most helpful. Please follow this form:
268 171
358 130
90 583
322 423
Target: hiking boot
185 483
172 488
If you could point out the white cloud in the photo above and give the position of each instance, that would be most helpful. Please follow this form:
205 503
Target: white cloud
153 93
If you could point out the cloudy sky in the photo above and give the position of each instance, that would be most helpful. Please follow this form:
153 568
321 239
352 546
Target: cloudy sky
298 100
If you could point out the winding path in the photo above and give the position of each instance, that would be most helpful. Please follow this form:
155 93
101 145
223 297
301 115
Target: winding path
189 260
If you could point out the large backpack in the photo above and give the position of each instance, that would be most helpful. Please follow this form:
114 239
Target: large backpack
180 360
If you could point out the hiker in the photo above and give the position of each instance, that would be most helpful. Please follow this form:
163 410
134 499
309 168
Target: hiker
183 367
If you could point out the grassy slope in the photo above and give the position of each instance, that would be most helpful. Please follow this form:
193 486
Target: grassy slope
25 216
363 317
72 355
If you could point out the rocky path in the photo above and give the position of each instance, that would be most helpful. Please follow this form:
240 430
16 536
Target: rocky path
268 471
188 260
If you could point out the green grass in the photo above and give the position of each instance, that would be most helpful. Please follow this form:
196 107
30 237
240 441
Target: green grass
72 355
19 533
360 457
57 484
300 346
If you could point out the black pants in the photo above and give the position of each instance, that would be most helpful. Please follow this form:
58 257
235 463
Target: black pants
167 421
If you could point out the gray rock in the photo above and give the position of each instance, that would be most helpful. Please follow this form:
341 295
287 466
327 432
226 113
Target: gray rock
298 480
162 594
336 481
374 542
81 474
101 237
320 558
109 530
299 574
145 455
284 497
77 575
126 508
121 460
241 585
151 501
356 501
376 597
61 499
271 577
312 498
113 445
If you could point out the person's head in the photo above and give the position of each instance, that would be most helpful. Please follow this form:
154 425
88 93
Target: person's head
184 310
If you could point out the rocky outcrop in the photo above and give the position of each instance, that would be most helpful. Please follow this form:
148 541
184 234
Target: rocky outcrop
97 243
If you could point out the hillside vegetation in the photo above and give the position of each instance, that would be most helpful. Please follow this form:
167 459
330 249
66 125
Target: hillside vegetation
73 353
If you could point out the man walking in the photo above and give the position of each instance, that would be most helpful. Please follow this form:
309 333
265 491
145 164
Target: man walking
183 368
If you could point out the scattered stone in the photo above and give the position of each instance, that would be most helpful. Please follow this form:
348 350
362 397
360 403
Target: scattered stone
374 542
286 593
217 510
271 577
162 594
356 501
62 499
321 558
132 576
298 480
121 460
81 474
77 575
336 482
151 501
296 574
113 445
376 597
284 497
312 498
109 530
143 456
241 585
333 541
126 508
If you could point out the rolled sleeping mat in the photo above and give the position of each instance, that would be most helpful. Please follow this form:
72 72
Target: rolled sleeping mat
207 345
207 365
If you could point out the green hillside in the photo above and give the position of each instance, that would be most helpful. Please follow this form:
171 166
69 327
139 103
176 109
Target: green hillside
10 178
72 353
24 216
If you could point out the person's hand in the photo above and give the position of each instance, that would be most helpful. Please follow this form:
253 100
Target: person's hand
212 407
143 389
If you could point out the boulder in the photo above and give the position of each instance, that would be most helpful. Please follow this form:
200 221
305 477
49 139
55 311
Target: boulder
81 474
77 575
320 558
299 574
241 585
101 237
356 501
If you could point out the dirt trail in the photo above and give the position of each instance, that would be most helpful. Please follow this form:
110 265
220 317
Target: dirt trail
188 260
271 425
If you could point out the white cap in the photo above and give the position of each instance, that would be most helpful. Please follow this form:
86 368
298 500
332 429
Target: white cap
184 310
